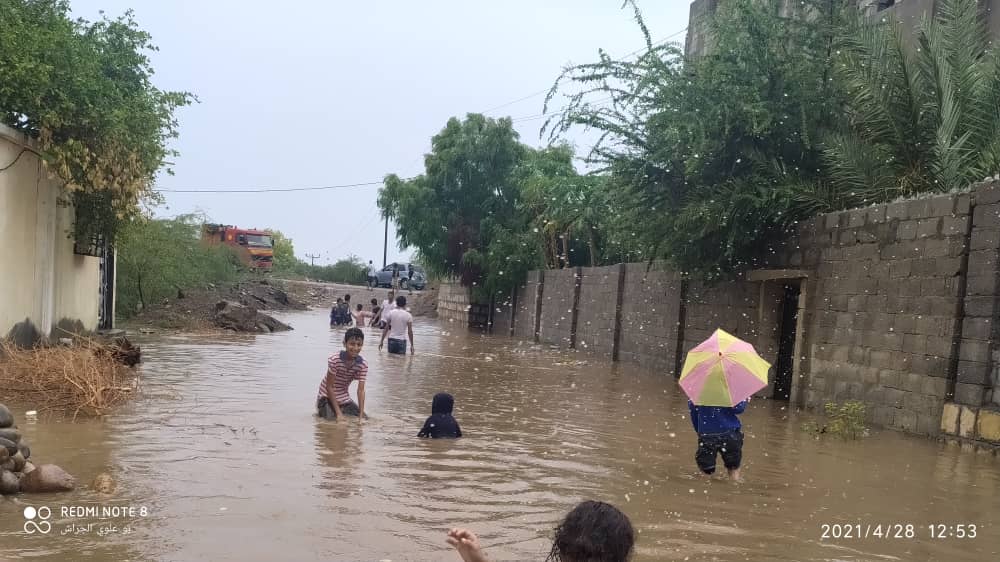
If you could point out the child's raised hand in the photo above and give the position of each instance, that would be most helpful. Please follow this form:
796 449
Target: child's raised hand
467 544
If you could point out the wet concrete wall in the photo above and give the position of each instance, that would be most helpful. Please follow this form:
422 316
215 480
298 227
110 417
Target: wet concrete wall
43 281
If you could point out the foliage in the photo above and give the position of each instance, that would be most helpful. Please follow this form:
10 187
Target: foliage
919 119
721 152
158 257
351 271
284 260
84 91
846 420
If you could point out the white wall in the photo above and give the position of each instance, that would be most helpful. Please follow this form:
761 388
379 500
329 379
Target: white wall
41 280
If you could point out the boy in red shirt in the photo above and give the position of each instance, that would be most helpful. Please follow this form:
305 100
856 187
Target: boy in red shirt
334 400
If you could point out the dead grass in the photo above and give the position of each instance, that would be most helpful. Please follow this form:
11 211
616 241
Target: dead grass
83 378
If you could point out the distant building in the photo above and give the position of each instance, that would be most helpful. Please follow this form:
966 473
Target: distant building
49 286
908 12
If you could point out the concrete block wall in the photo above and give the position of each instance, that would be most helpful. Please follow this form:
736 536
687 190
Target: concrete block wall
454 303
650 316
524 316
884 315
557 307
595 325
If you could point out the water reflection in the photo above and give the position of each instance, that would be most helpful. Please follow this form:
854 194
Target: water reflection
226 451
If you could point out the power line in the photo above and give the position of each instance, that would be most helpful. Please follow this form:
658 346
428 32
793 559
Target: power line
268 189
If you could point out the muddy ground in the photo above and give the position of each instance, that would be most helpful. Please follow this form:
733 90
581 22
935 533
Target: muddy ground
192 310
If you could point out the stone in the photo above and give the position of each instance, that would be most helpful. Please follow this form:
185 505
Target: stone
967 422
11 434
9 445
949 418
47 478
988 427
7 464
9 483
19 461
28 467
6 418
235 316
25 450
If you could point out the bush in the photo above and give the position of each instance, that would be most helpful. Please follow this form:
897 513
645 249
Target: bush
158 257
845 420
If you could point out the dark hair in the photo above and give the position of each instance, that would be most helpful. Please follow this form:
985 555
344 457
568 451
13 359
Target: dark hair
360 306
400 301
340 299
374 302
354 334
593 532
347 298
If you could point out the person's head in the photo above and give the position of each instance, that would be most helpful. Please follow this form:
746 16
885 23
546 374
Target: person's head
374 302
354 340
443 403
360 307
369 262
593 532
339 300
347 298
392 295
400 301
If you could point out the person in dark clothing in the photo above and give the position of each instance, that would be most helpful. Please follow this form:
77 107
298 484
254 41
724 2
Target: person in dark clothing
719 431
441 424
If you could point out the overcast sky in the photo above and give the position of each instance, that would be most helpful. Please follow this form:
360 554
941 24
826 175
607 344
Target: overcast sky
313 93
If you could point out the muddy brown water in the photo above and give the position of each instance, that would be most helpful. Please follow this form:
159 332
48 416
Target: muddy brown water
223 452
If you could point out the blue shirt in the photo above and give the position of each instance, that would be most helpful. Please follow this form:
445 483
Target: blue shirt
715 419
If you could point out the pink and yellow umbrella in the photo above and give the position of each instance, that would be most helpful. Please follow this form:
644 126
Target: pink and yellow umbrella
723 371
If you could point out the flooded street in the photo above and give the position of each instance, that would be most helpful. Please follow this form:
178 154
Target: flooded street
225 454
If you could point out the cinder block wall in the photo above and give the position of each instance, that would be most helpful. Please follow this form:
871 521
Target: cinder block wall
557 306
595 325
524 316
650 316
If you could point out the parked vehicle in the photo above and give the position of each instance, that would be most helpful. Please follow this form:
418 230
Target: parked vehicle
254 247
419 281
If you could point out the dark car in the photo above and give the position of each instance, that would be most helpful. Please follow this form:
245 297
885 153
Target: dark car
418 282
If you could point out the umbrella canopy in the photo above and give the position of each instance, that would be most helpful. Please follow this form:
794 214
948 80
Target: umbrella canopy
723 371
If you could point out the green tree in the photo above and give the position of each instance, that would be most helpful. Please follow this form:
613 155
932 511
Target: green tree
284 254
84 91
920 117
452 211
719 153
158 257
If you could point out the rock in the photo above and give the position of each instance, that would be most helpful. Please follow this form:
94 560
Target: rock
7 464
47 478
19 461
9 483
9 445
28 467
235 316
280 296
11 434
104 483
25 450
4 454
6 418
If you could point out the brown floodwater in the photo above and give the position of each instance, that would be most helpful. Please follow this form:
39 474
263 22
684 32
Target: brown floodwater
224 454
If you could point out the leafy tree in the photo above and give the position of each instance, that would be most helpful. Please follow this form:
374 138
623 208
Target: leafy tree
84 91
158 257
284 254
721 152
452 211
923 117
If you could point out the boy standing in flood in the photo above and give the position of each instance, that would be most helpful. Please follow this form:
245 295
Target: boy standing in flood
334 399
719 431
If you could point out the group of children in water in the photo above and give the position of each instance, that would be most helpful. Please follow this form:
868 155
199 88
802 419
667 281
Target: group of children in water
592 531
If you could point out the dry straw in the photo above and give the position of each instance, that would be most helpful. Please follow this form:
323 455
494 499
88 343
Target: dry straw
86 377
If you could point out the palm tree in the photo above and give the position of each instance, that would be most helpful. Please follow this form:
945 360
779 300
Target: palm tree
920 116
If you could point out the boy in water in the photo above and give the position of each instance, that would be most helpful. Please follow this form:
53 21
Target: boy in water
593 531
398 324
360 315
441 424
376 313
334 400
719 431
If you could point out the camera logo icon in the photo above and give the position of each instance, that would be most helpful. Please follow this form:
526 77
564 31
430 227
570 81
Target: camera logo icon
37 520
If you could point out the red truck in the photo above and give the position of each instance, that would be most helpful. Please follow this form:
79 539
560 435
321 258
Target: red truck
254 247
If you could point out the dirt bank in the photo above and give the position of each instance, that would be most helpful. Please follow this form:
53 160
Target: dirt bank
193 310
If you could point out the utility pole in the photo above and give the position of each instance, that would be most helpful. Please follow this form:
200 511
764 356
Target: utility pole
312 258
385 245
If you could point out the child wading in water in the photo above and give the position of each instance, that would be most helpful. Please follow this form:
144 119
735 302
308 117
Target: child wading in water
592 532
334 400
441 424
360 315
719 431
